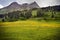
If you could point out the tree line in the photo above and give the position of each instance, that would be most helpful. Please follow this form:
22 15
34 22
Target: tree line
26 14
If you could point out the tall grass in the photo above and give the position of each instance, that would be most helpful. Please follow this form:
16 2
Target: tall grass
29 30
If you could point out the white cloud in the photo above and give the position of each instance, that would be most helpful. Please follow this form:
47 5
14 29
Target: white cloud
44 3
41 3
1 6
24 1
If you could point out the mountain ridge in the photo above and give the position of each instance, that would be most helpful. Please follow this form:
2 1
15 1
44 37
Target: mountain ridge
16 5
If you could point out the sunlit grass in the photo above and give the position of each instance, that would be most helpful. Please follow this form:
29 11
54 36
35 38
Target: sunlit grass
29 30
31 23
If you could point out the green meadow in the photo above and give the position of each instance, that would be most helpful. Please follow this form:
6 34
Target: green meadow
30 30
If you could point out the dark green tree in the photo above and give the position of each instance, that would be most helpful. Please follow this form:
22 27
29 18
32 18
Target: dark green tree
28 15
40 13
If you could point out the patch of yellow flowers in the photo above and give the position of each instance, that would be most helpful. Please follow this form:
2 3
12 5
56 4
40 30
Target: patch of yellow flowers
30 23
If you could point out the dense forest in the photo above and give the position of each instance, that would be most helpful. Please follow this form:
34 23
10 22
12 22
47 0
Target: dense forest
39 14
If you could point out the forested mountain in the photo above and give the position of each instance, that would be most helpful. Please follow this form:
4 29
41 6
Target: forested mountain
55 8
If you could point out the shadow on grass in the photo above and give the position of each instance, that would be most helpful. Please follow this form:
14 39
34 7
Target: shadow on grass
38 34
1 32
57 36
49 34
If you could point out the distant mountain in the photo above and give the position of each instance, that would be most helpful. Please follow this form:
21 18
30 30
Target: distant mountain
30 6
15 6
12 6
55 8
34 5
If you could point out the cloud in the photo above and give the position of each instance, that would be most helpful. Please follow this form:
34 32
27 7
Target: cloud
24 1
41 3
1 6
44 3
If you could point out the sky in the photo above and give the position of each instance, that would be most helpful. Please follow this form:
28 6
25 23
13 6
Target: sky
41 3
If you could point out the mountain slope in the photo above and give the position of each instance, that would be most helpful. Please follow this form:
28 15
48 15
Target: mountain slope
34 5
15 6
55 8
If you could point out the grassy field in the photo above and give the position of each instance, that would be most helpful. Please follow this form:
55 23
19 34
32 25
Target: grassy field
30 30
